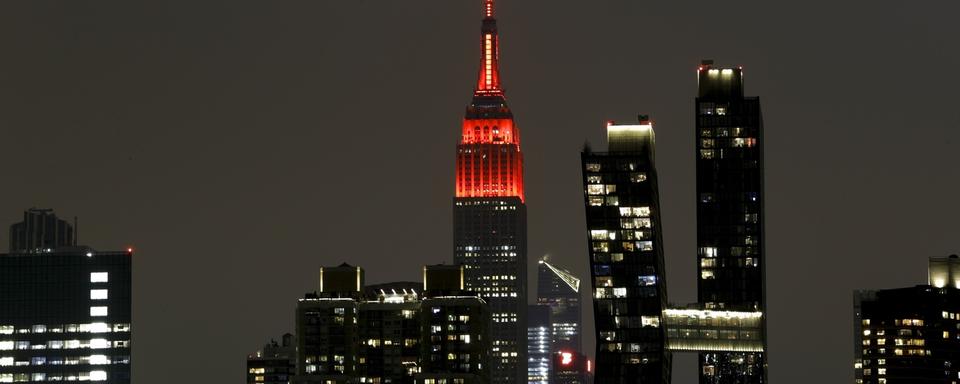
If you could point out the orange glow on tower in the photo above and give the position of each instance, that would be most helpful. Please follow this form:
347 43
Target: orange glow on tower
489 161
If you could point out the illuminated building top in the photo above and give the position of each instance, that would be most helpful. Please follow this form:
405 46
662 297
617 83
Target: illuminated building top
489 161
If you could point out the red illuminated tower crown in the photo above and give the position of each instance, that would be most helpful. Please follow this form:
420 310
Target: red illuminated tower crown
489 161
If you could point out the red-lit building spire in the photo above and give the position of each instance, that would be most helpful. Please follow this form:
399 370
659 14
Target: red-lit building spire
489 161
489 79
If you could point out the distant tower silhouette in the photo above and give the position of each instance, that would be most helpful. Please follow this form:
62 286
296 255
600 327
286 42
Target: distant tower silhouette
41 230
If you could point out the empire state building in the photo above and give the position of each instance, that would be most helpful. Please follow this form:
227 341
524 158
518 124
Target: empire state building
489 214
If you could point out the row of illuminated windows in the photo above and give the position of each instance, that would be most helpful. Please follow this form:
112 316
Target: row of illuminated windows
68 328
500 277
601 189
8 345
376 343
722 131
599 201
603 234
740 142
634 177
74 376
899 352
739 262
898 342
310 359
494 248
643 281
620 347
736 251
628 246
67 360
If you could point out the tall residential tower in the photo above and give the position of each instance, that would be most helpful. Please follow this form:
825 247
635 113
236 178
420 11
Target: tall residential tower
490 226
729 142
626 257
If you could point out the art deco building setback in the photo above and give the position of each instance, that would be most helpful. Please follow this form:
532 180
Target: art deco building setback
275 363
432 332
64 309
626 257
730 235
910 335
490 227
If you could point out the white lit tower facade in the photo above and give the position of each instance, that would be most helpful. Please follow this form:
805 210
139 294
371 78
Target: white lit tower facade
490 226
729 157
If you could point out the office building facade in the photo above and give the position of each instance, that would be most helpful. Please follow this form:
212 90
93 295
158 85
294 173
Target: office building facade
65 312
626 257
490 229
910 335
730 237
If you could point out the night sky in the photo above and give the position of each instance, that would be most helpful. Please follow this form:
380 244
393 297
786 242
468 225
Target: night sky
241 145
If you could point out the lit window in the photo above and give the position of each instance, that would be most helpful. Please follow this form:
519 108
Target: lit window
706 154
620 292
99 360
99 344
593 167
650 321
99 277
638 177
98 294
98 375
98 311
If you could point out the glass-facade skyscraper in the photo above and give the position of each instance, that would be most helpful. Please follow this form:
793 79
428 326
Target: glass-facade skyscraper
490 217
626 257
729 158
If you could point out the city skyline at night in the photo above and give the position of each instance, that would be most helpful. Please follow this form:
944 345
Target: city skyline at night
240 147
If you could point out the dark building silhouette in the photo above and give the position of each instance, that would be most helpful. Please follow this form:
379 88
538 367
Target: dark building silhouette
64 309
39 231
729 142
626 257
275 363
910 335
490 226
559 290
539 341
431 332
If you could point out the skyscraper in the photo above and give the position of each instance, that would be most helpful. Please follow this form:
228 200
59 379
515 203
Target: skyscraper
626 257
538 348
910 335
64 309
559 290
729 142
490 227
